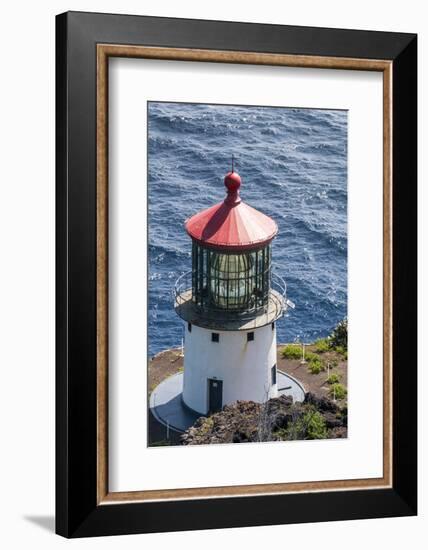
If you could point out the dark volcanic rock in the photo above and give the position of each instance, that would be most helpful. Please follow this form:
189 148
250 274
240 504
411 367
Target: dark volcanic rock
332 420
321 403
239 437
339 433
281 421
247 421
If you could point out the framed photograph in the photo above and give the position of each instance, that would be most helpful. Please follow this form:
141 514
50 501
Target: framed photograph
236 274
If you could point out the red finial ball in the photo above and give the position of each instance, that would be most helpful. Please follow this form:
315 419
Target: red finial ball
232 181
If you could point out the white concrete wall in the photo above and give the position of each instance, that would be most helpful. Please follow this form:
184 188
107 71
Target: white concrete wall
244 367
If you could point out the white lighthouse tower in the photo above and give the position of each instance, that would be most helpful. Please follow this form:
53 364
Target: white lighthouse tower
230 302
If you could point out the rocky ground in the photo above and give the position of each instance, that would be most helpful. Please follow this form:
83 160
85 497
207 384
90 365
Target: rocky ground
278 420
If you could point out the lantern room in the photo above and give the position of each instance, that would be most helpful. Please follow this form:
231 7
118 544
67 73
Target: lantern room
231 283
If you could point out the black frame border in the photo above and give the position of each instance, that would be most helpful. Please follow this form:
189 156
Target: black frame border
77 512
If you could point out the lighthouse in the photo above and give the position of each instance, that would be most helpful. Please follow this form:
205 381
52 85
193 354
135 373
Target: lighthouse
230 302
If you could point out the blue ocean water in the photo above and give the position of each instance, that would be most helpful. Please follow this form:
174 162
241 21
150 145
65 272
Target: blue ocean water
293 164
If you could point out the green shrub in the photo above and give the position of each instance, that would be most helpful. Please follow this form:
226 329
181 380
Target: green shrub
315 425
292 351
315 368
338 391
333 379
342 351
315 364
339 336
309 425
322 345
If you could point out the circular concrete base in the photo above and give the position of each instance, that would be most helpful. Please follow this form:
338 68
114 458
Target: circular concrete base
167 406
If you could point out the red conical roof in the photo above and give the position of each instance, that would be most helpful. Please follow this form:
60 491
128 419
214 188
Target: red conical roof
231 224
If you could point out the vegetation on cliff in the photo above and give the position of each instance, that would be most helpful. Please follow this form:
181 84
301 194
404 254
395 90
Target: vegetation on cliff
324 350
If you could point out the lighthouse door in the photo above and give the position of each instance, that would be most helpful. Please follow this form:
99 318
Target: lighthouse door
215 395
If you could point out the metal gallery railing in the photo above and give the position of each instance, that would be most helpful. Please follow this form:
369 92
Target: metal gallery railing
276 305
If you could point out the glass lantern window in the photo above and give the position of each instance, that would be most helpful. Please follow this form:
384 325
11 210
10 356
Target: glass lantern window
230 281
